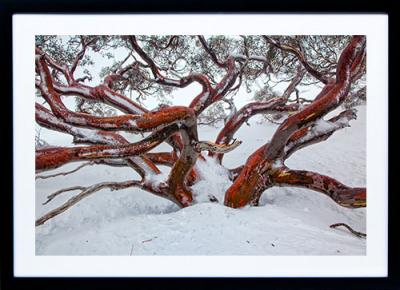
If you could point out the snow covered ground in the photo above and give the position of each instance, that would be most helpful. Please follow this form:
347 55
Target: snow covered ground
289 221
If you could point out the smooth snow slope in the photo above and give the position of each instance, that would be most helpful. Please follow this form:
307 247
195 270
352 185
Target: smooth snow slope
289 221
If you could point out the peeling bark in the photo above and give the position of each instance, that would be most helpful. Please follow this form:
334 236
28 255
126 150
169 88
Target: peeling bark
260 169
250 183
53 157
177 125
245 113
343 195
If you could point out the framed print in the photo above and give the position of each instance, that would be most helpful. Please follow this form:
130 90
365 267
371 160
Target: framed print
229 149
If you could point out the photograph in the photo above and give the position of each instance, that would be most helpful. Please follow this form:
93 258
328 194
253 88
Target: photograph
200 145
179 144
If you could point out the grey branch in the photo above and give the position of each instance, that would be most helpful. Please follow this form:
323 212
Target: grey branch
216 148
86 191
358 234
64 173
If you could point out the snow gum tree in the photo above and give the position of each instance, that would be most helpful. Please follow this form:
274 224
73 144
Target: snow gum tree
157 66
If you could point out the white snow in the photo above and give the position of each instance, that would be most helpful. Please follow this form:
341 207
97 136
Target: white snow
123 102
77 120
204 97
322 126
133 123
78 90
156 179
289 221
214 181
277 164
250 57
171 82
139 161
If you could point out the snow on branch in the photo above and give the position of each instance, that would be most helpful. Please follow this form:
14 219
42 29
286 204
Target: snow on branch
331 99
318 132
246 112
259 171
88 136
177 125
53 157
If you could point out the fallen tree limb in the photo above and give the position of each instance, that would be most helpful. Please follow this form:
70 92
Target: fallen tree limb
85 192
356 233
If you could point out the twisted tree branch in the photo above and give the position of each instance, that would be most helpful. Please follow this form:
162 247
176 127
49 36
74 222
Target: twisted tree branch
85 192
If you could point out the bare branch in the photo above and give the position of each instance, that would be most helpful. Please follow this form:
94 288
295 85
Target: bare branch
294 83
357 234
249 110
81 54
300 56
216 148
211 52
54 194
85 192
169 43
64 173
312 134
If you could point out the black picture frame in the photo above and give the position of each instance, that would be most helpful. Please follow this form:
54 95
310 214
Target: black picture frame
10 7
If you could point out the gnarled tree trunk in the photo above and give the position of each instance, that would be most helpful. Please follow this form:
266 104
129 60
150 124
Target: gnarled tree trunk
101 142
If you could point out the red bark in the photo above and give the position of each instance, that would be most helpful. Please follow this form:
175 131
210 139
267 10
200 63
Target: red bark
261 165
250 183
340 193
320 107
48 120
53 157
177 125
302 137
235 122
